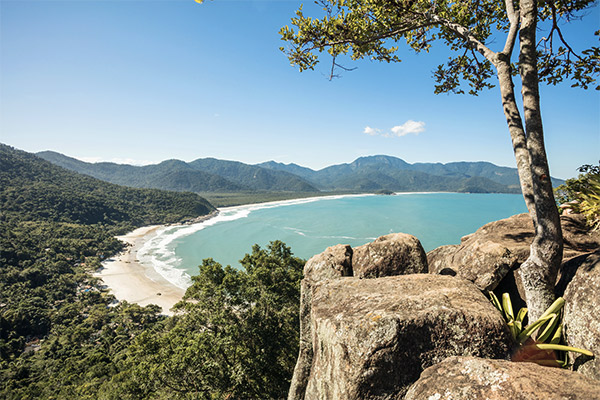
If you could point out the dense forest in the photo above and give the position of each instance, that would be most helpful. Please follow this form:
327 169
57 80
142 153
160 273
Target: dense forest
62 336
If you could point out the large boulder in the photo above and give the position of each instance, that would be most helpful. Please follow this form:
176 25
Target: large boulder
482 262
469 378
487 255
577 236
372 338
393 254
582 311
334 262
500 247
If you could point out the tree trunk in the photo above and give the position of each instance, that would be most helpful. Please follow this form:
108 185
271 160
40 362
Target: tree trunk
538 273
517 132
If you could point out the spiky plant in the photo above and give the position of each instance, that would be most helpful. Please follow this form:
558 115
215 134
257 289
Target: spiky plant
538 341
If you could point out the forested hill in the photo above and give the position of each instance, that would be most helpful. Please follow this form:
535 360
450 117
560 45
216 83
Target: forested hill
392 173
202 175
365 174
58 337
63 336
34 189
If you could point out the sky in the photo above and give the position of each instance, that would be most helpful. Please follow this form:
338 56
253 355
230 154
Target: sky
140 82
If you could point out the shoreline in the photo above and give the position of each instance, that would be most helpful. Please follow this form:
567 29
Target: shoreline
129 280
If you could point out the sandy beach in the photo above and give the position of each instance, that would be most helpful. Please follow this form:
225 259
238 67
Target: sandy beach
129 280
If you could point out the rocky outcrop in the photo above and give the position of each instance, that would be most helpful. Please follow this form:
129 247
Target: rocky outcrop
372 338
488 255
389 255
469 378
337 262
581 320
334 262
482 262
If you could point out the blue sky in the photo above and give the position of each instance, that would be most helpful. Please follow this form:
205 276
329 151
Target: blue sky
144 81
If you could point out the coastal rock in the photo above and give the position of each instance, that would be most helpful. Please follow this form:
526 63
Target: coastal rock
577 236
334 262
470 378
488 255
482 262
393 254
372 338
305 353
582 316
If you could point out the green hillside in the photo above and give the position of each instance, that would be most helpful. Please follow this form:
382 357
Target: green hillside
55 225
34 189
376 173
199 176
62 336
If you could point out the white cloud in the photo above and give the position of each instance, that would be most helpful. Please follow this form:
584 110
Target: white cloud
371 131
410 126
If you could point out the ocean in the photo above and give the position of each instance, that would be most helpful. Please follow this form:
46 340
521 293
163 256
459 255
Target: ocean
309 226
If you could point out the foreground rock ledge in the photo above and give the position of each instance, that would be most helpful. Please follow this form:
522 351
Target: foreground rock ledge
372 338
470 378
582 312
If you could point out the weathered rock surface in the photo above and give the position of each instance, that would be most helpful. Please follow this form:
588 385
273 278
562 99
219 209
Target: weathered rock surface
393 254
372 338
469 378
482 262
334 262
486 256
582 311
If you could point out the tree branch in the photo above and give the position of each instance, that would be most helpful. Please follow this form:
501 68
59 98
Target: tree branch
513 17
334 65
560 35
465 33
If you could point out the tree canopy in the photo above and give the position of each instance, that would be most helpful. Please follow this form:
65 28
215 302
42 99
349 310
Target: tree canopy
373 29
237 337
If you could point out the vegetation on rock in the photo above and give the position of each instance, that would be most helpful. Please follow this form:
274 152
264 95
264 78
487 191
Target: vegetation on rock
582 194
538 341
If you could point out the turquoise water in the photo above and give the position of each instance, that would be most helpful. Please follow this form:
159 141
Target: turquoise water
309 226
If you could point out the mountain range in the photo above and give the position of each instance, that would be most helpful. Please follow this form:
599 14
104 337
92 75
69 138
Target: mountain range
365 174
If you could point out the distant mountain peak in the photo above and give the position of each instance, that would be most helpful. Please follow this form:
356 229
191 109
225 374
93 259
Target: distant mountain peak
366 173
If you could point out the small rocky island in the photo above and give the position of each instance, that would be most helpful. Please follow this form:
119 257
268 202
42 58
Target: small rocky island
387 321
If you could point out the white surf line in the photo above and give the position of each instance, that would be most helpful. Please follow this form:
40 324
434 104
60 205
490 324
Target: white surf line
156 253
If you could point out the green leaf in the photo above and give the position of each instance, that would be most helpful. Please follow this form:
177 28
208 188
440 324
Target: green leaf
560 347
507 305
557 335
554 308
528 331
549 330
521 314
495 301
